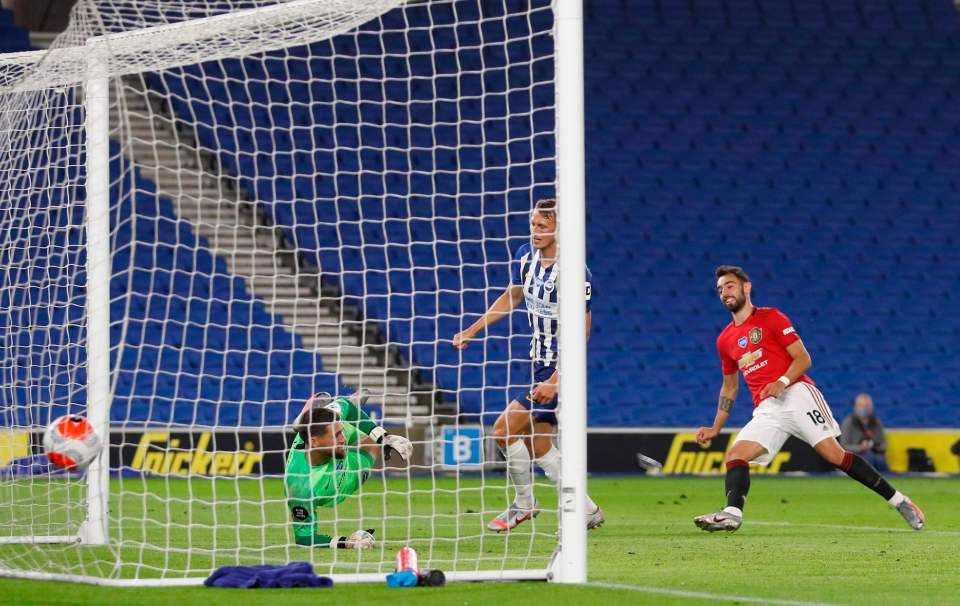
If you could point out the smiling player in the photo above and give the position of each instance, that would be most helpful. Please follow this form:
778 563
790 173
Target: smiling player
761 343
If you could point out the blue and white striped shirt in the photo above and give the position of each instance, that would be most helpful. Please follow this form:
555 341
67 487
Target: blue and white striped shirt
540 297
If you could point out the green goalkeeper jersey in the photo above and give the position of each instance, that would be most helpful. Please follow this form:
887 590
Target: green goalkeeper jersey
310 487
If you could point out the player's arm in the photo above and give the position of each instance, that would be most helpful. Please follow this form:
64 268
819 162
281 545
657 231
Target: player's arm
306 536
800 364
504 304
728 395
352 412
546 391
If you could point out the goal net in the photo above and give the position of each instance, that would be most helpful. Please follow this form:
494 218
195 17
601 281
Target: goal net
210 211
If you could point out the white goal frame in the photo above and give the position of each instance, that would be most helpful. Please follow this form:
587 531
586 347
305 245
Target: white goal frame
93 66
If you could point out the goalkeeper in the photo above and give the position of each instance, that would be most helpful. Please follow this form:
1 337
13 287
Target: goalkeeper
335 447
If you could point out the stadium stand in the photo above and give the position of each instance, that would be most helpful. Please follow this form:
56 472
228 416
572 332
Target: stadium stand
391 228
773 135
181 365
809 142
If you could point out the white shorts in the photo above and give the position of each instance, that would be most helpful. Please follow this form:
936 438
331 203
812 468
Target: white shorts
801 411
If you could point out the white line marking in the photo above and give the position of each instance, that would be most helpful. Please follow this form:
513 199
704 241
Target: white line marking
700 595
953 533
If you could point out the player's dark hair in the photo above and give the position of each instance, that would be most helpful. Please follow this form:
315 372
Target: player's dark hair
736 270
546 207
315 420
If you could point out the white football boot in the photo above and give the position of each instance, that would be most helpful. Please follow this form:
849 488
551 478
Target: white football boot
911 513
512 517
712 522
595 519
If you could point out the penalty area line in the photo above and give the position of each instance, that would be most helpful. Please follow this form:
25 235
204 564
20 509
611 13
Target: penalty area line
702 595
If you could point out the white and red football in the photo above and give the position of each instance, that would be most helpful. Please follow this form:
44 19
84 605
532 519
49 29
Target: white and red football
71 442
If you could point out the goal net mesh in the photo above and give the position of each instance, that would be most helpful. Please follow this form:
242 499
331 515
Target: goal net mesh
304 196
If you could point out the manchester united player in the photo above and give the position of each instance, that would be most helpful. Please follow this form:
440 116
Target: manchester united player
763 344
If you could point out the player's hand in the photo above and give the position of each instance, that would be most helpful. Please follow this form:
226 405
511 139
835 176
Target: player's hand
399 444
359 398
544 392
772 390
461 339
705 434
361 539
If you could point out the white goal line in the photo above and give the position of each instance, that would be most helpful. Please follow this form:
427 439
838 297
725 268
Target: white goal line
361 577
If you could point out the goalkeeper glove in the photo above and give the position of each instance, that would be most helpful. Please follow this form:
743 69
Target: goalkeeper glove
361 539
392 443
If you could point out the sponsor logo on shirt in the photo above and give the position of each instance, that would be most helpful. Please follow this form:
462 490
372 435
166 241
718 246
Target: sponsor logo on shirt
748 359
756 333
788 330
539 308
299 513
742 342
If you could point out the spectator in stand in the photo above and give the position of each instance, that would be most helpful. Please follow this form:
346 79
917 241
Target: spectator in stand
863 433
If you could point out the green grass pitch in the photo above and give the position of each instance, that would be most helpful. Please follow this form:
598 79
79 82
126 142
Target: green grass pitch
823 540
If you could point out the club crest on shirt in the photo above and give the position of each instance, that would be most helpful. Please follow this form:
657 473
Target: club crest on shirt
548 286
742 342
756 333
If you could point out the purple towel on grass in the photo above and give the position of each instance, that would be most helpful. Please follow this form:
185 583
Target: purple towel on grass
294 574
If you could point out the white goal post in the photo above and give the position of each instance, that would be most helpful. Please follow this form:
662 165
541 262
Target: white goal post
115 106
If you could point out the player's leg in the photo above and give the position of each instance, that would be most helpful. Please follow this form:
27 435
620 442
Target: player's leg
547 456
511 431
860 470
759 441
816 426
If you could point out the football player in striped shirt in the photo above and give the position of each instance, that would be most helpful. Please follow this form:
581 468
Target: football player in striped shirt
761 343
525 430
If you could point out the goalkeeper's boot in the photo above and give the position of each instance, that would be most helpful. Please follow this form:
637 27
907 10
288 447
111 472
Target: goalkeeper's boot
722 520
595 519
509 519
911 513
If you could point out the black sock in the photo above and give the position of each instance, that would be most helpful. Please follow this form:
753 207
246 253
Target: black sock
863 472
738 483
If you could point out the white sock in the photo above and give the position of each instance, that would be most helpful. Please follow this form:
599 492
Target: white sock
518 467
734 511
896 499
550 464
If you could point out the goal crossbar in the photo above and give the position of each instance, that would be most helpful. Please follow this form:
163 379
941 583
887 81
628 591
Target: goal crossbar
160 47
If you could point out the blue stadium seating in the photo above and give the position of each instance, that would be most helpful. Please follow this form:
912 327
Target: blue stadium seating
810 142
404 195
806 141
194 346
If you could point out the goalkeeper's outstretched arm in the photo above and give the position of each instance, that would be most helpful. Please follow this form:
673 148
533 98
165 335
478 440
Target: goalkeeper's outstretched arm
306 535
351 411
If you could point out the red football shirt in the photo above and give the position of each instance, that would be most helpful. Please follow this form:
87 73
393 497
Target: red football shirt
758 348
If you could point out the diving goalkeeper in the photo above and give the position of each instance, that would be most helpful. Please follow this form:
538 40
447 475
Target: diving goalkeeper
335 447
